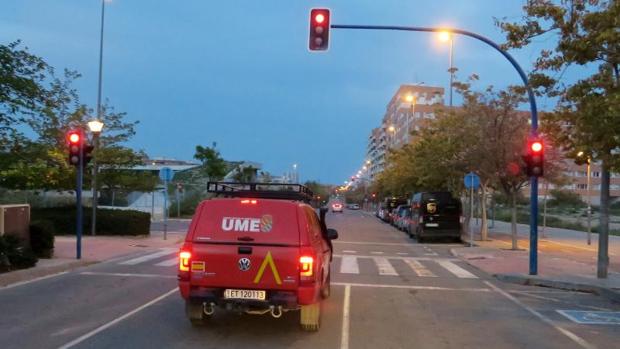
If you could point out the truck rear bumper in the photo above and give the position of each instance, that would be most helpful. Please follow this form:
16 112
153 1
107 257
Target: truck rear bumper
291 300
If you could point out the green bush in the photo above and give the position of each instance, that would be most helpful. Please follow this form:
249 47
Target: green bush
565 198
42 238
109 221
13 255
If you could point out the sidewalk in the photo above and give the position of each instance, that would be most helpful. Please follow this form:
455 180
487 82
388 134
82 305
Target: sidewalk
94 249
565 261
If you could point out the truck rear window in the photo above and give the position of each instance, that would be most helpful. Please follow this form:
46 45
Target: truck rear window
261 221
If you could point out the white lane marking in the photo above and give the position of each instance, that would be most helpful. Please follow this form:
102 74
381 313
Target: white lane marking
412 287
542 317
402 253
117 320
348 265
372 243
31 281
128 275
384 266
348 251
376 252
399 257
418 268
168 263
148 257
456 270
344 339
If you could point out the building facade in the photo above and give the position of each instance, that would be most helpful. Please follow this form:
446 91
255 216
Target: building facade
407 110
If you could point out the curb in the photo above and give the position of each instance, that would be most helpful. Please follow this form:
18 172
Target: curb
527 280
16 277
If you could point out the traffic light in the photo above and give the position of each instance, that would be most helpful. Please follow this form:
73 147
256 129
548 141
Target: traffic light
87 151
319 29
534 158
74 138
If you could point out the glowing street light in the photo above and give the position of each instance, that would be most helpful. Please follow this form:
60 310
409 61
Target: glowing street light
446 36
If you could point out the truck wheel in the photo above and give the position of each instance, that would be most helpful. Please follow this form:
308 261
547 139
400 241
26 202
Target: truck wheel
419 237
310 317
326 289
195 313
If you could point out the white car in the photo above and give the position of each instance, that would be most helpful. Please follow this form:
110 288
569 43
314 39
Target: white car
337 207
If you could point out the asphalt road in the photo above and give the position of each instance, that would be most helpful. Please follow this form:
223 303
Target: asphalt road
387 292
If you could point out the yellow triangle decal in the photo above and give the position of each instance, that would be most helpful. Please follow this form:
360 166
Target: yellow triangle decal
268 260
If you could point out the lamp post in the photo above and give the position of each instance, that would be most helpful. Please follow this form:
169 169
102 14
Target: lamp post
95 127
411 99
445 36
588 176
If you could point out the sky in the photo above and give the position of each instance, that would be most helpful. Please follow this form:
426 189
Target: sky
239 72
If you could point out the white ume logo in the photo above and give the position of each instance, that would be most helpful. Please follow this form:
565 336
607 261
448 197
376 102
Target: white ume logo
254 225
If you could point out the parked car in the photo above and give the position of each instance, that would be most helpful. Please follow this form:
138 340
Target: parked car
390 204
256 252
354 207
435 215
404 219
397 218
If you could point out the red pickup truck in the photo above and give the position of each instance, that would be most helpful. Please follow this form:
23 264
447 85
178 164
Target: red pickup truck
261 249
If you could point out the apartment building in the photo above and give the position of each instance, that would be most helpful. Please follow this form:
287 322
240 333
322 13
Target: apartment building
406 111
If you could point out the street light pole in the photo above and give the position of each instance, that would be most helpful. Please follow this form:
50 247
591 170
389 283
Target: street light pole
96 134
451 65
589 203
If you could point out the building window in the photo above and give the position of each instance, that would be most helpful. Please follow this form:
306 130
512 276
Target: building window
582 186
596 174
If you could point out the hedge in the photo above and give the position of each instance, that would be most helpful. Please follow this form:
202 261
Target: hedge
42 238
13 255
109 221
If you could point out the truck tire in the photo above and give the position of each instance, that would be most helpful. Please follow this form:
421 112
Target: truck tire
310 317
195 314
326 289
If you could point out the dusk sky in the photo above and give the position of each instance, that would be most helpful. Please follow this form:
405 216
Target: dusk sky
239 73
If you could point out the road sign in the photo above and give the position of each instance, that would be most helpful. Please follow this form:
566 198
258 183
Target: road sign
166 174
471 180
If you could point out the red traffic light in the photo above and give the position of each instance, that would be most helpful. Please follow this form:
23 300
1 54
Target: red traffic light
536 146
319 29
74 137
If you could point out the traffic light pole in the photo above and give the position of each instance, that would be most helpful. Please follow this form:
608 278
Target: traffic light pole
534 117
78 201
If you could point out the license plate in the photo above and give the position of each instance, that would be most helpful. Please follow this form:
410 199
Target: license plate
432 224
245 294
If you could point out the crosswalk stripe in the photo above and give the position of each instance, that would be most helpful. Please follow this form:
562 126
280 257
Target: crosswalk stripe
456 270
384 266
349 265
418 268
168 263
148 257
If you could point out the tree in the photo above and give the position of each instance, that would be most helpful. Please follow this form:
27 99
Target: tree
586 117
21 89
213 164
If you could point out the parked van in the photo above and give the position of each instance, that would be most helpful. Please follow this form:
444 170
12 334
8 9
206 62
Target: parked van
435 215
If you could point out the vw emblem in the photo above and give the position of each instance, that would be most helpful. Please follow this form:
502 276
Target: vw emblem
244 264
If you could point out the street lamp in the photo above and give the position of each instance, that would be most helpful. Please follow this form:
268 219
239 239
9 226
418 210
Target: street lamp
411 99
588 160
95 127
445 36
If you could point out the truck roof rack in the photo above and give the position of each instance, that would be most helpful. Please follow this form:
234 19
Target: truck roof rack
282 191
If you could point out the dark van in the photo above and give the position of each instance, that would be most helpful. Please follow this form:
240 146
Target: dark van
435 215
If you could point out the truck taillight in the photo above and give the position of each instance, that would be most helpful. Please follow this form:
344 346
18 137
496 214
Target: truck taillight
306 266
184 260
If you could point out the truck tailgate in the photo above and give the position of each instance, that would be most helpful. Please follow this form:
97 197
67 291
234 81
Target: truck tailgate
251 266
